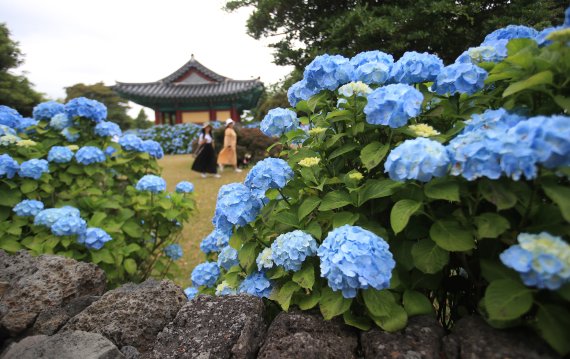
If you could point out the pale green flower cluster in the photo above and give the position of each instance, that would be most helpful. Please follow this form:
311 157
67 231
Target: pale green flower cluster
423 130
309 161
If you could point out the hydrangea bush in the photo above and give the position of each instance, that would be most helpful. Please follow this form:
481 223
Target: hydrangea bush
68 187
418 189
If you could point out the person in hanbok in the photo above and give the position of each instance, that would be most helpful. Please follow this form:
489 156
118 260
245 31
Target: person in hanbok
228 155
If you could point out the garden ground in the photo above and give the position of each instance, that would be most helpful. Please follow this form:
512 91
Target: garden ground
176 168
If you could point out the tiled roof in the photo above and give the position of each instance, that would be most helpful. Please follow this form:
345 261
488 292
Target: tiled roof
193 82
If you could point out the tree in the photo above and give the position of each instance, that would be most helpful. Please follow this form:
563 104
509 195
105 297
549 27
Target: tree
306 28
141 121
116 106
15 91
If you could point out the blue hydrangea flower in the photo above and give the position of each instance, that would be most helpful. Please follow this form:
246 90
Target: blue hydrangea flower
60 154
69 226
372 67
28 207
289 250
25 123
191 292
266 174
94 238
5 130
131 143
418 159
89 154
205 274
460 78
151 183
84 107
353 258
48 217
511 32
184 187
9 117
173 251
542 260
47 110
214 242
256 284
279 121
8 166
567 17
228 258
153 148
414 67
225 289
107 129
110 151
393 105
60 122
264 259
33 168
221 223
328 72
299 92
484 53
236 204
69 136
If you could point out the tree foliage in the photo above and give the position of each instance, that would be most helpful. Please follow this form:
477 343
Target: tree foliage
142 121
306 28
15 91
116 106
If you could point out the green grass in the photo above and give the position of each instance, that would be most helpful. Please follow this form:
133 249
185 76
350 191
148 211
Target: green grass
175 169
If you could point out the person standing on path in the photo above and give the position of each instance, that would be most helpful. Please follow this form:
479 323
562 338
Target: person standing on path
228 155
205 161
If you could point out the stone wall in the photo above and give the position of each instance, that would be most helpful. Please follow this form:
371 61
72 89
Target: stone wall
53 307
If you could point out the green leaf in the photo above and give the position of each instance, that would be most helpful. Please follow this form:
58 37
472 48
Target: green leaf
507 299
498 193
401 213
283 295
9 198
335 199
102 255
491 225
384 310
10 245
495 270
561 196
287 217
396 320
306 302
333 303
315 230
97 219
345 217
359 322
165 203
247 254
346 148
373 153
306 276
553 324
132 228
451 236
415 303
309 204
130 266
541 78
442 188
563 102
429 257
377 189
28 186
130 248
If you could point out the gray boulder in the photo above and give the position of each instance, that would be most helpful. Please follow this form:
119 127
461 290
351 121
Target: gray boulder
420 339
214 327
131 315
70 345
473 338
307 335
32 285
51 320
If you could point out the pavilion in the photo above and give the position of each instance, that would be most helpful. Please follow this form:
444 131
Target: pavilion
193 94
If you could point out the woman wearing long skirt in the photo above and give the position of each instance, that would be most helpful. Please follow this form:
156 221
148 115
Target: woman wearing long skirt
205 161
228 155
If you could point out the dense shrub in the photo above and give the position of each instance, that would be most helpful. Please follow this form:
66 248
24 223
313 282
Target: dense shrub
67 187
436 189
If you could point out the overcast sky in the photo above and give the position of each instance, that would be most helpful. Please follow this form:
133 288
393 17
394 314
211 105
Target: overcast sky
71 41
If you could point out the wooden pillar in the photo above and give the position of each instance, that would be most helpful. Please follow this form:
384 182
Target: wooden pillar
157 117
234 113
178 116
212 113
